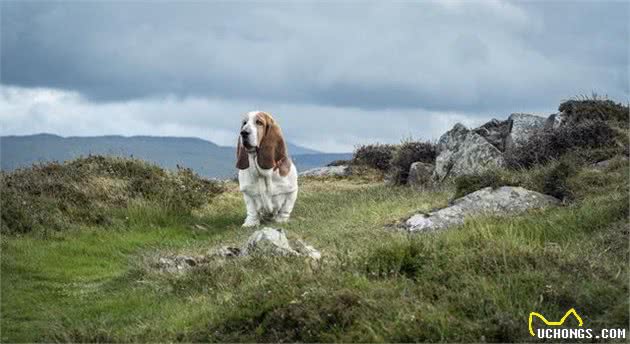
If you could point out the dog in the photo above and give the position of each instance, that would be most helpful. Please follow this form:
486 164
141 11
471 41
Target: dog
266 175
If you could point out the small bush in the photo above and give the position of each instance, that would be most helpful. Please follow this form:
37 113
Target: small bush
377 156
555 181
551 144
408 153
310 320
86 190
594 109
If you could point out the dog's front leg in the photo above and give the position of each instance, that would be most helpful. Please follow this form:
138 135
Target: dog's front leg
266 192
252 219
286 208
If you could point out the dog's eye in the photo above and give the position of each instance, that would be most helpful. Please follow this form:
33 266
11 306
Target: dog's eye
259 122
244 122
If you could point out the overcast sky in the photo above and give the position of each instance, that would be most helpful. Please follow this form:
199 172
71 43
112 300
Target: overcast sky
335 75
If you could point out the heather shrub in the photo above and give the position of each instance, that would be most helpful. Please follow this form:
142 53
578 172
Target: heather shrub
407 153
551 144
87 190
552 178
377 156
594 109
554 181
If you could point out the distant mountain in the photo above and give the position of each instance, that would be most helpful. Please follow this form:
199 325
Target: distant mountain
204 157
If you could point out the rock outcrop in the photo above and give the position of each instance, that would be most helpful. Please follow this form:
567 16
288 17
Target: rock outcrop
502 201
522 127
461 152
327 171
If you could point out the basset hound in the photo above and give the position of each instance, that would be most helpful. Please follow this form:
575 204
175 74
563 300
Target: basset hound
266 175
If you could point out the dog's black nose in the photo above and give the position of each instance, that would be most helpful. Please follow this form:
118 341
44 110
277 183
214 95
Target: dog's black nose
244 133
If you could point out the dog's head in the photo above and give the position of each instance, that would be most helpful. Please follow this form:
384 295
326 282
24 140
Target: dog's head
261 135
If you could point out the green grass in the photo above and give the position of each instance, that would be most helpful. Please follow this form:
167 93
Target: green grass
475 283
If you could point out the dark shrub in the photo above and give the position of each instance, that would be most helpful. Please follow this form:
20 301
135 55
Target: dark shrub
339 163
551 144
86 190
555 181
408 153
313 320
377 156
594 109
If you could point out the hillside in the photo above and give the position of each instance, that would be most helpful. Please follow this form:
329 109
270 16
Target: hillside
204 157
374 284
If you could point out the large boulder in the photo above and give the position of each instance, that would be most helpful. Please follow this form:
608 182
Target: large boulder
327 171
522 127
462 152
420 174
503 201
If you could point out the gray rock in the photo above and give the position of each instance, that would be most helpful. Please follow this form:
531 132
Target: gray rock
452 138
465 152
269 241
390 176
555 121
327 171
495 132
502 201
420 174
226 252
303 249
523 126
602 165
179 263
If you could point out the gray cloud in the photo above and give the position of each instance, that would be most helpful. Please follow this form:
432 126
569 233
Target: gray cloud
360 71
483 56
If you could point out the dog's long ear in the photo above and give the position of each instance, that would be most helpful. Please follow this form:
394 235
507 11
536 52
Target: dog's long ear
273 151
242 161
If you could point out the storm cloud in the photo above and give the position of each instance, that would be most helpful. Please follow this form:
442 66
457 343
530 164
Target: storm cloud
360 71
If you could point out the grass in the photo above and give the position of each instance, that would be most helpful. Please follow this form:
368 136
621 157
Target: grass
475 283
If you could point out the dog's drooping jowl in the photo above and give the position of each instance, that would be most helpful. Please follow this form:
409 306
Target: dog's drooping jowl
266 175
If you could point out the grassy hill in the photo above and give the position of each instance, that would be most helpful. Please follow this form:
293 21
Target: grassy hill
204 157
475 283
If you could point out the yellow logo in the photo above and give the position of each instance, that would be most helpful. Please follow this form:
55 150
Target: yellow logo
553 323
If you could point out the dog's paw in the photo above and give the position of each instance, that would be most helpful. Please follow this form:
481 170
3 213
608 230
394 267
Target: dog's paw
251 222
281 219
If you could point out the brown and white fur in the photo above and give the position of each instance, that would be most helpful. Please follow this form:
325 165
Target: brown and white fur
266 175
